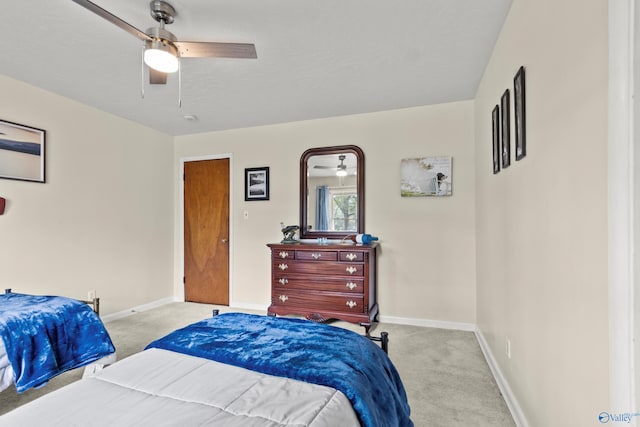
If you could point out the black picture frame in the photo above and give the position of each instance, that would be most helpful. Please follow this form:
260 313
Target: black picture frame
505 129
495 133
519 104
256 184
22 152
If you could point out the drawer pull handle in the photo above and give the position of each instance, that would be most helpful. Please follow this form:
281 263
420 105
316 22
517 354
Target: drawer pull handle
283 267
283 281
283 254
351 304
316 255
351 269
283 298
352 285
351 256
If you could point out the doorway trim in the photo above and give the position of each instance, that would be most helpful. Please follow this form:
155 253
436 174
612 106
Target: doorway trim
621 206
180 236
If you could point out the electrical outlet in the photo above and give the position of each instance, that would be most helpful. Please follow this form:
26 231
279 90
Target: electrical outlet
91 295
508 349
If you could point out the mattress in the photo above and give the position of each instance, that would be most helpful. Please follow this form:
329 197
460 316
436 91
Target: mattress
305 351
162 388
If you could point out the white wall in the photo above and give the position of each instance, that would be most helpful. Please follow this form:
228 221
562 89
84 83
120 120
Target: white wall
103 220
427 257
542 223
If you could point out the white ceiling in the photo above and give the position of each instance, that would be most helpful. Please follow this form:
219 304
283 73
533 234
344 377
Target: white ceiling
316 58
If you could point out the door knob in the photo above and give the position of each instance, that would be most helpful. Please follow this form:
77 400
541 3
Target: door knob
225 240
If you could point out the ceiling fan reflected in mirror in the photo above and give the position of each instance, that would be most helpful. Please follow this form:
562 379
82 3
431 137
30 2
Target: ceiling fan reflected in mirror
341 169
162 50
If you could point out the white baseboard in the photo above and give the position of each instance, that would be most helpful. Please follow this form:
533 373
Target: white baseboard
428 323
441 324
246 306
503 385
144 307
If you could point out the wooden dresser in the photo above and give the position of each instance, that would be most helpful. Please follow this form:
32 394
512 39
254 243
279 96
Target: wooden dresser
322 282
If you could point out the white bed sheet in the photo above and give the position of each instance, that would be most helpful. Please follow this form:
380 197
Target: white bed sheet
162 388
6 372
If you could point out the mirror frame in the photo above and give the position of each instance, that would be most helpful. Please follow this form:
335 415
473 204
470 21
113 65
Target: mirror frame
305 233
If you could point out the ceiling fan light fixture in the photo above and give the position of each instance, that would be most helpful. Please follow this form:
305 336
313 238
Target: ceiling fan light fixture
162 50
341 172
161 56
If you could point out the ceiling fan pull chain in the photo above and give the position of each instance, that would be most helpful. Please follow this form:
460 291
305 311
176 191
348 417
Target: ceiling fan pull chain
179 83
142 74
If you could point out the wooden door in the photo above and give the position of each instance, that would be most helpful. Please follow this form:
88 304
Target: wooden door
206 231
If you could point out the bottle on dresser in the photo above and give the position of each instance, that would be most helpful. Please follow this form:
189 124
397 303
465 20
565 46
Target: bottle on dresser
365 239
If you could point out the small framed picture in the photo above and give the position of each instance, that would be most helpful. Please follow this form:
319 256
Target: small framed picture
21 152
495 132
505 129
519 102
256 184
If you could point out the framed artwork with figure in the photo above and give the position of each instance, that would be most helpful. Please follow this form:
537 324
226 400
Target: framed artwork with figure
505 129
519 103
495 133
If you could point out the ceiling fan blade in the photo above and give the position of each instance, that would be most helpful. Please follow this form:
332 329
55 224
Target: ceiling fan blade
113 19
216 50
324 167
157 77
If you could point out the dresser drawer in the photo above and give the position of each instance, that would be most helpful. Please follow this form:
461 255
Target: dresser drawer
315 268
317 255
352 256
319 301
283 254
282 282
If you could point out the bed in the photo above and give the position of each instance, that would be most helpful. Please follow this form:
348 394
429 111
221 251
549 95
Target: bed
236 369
44 336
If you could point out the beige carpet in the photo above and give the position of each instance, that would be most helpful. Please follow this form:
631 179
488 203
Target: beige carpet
444 372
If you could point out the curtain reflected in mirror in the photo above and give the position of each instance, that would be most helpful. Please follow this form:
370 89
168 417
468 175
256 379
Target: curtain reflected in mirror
332 189
322 209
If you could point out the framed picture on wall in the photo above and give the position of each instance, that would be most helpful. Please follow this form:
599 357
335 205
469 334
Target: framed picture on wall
519 102
505 129
21 152
256 183
425 176
495 132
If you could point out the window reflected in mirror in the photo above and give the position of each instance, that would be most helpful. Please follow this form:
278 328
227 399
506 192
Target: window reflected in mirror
332 190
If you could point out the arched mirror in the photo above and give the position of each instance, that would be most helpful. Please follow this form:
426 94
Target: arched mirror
331 192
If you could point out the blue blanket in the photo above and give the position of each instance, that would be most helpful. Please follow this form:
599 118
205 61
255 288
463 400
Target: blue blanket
302 350
46 335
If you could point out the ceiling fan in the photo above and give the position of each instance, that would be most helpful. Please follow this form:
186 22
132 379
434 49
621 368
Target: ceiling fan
162 48
341 169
